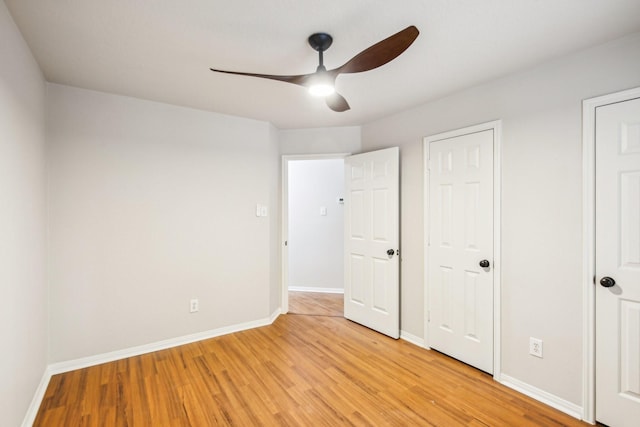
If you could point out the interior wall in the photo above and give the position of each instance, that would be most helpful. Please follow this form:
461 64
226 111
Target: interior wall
316 241
541 201
152 205
23 302
346 139
275 203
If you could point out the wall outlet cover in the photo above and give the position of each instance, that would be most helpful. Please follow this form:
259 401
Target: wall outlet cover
535 347
194 306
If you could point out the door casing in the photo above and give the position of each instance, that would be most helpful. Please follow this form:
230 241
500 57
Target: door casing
496 126
589 245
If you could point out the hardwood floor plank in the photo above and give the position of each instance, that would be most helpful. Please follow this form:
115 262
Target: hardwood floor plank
316 303
301 370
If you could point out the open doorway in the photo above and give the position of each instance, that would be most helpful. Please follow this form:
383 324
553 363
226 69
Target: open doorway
312 229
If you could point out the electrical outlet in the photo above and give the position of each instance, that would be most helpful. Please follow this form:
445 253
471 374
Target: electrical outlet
535 347
194 306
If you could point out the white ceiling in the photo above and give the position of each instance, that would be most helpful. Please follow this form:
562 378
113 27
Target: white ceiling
161 50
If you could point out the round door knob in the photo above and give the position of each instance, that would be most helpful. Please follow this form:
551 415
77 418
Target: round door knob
484 263
607 282
390 252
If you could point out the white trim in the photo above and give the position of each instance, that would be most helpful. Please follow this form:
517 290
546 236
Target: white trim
276 313
413 339
84 362
72 365
589 250
547 398
32 412
497 250
316 289
496 126
284 258
426 237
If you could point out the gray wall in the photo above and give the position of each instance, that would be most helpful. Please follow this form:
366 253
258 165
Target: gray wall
23 301
320 140
316 241
152 205
541 201
275 203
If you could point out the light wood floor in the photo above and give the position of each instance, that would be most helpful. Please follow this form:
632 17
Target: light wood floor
316 303
302 370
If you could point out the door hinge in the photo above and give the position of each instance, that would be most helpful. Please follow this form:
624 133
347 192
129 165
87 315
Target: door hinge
428 316
285 243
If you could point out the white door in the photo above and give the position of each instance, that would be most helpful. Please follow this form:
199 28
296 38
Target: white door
371 237
460 248
618 264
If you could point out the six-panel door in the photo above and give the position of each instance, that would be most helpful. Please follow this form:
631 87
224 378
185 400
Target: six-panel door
618 259
372 291
460 240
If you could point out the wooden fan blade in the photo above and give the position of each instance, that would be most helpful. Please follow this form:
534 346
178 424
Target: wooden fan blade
337 102
381 52
298 80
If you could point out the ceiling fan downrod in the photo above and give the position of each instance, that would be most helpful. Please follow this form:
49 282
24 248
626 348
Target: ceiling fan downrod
320 42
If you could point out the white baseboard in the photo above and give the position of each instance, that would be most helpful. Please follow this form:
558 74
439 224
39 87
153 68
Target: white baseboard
413 339
56 368
275 315
316 289
71 365
542 396
32 411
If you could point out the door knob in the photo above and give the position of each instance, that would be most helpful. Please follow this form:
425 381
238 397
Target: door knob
390 252
484 263
607 282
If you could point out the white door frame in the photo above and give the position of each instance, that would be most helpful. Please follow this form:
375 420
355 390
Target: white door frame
284 225
496 126
589 245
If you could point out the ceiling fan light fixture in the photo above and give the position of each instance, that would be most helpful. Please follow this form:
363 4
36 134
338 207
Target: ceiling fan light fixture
322 90
321 84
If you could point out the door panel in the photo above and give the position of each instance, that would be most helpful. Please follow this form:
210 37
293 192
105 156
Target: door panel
460 292
356 282
629 214
618 257
372 292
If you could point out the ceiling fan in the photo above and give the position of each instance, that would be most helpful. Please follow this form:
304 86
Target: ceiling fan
321 83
